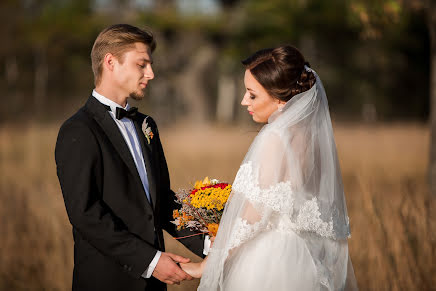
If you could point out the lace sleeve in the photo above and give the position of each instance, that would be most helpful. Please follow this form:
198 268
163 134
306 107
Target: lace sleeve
273 208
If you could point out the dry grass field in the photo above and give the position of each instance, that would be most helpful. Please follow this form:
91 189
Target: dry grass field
393 222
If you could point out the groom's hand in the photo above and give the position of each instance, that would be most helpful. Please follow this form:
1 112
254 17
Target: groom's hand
168 271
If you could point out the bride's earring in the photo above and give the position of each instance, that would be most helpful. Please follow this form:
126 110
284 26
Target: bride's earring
280 107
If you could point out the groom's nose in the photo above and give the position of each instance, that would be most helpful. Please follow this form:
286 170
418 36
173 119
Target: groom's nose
148 72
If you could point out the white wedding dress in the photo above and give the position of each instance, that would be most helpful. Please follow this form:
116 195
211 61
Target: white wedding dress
285 226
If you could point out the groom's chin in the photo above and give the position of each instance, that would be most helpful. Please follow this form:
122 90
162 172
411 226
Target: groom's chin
137 95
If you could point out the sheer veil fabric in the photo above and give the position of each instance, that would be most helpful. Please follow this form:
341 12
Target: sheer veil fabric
286 226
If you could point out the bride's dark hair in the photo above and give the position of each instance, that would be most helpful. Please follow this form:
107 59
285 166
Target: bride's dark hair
280 71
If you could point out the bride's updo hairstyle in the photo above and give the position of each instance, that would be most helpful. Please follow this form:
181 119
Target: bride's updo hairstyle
280 71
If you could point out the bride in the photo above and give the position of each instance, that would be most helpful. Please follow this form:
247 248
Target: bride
285 226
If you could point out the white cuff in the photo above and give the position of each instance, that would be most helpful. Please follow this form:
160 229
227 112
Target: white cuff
206 246
147 273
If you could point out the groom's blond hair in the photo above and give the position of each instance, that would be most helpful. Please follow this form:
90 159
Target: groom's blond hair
117 39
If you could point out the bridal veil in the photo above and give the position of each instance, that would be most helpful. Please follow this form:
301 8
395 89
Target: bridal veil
288 188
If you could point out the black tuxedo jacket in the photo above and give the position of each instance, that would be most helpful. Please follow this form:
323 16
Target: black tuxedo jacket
116 230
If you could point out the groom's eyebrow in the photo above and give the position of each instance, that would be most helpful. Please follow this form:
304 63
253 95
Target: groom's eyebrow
146 60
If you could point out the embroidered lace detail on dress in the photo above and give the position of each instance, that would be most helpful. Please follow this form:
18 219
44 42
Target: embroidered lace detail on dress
280 198
243 231
308 219
277 197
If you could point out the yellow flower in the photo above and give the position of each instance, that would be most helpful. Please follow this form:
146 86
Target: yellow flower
206 181
211 198
199 184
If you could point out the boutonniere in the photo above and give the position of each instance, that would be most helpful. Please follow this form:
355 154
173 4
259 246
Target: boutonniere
147 131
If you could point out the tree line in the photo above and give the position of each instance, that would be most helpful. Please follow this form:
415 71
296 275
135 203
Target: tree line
373 56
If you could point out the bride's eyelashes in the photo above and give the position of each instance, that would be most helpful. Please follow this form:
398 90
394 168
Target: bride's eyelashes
252 97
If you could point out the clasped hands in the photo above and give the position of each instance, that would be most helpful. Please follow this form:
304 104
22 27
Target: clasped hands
168 271
196 269
172 269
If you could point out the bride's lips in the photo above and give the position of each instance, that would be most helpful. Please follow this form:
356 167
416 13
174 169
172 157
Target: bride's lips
251 112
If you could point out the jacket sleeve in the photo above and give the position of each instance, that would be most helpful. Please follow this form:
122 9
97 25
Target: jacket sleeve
77 156
195 243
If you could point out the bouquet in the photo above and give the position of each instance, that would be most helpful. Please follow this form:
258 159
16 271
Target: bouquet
202 206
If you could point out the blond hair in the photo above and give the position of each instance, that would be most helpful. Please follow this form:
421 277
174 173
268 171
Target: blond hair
117 39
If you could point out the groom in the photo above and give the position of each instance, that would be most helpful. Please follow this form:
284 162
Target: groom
114 177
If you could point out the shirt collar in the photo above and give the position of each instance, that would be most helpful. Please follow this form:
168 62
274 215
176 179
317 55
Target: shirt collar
106 101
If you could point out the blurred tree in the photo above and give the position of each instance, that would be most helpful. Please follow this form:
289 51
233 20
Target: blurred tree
49 46
336 43
185 63
431 19
309 25
51 27
228 3
163 4
376 16
11 15
49 43
371 70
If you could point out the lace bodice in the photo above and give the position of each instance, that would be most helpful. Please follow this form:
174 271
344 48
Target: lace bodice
279 198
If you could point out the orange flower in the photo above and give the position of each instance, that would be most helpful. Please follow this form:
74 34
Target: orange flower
213 228
175 213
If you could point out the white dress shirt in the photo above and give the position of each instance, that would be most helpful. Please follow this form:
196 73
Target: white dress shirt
128 131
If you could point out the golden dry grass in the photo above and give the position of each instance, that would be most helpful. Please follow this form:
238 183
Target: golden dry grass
384 168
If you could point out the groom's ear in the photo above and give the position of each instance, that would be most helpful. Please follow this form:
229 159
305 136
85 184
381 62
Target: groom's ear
109 61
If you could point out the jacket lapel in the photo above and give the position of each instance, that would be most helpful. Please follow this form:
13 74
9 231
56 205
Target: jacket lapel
147 154
101 115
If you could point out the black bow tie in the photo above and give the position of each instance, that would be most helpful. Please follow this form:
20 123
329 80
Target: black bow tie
121 113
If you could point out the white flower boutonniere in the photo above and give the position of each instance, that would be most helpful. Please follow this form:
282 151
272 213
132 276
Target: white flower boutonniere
147 131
